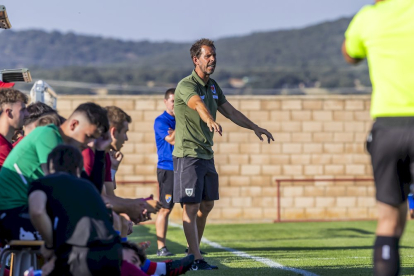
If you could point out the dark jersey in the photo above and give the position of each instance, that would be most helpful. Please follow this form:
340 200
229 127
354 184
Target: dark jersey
77 211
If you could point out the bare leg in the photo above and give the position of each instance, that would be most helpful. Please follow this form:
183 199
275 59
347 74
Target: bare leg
391 223
205 209
391 220
190 228
161 225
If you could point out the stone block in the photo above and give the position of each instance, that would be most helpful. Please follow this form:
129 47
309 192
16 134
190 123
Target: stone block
252 213
292 191
247 105
322 201
354 105
333 105
145 104
241 201
312 104
250 169
291 126
292 169
342 201
293 213
301 115
239 181
271 170
291 105
322 115
315 213
312 148
291 148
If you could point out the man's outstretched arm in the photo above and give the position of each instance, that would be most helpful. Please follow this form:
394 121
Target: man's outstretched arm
240 119
198 105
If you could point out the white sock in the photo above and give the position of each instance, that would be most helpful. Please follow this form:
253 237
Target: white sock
161 269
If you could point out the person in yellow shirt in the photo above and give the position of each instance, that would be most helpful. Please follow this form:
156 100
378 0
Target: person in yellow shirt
383 34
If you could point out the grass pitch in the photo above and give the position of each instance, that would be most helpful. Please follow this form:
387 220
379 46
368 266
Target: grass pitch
323 248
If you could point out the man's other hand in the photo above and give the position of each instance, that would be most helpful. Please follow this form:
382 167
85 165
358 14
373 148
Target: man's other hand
260 131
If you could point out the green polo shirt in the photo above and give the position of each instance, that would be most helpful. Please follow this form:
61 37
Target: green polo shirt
192 136
23 165
384 34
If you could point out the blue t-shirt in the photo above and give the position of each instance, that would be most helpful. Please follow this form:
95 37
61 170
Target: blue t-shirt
161 125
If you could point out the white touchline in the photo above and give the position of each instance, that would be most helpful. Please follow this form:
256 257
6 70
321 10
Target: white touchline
242 254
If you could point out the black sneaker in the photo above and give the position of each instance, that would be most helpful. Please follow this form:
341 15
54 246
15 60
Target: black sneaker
179 267
201 265
201 252
164 252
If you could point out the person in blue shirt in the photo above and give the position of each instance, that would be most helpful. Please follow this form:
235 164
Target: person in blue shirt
164 128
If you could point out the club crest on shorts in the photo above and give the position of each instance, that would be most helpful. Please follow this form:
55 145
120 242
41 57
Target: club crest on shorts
189 192
213 89
168 198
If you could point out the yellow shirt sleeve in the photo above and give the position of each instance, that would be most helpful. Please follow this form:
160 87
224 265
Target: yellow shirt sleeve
354 42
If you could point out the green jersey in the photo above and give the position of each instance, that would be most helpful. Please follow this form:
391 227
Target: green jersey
384 34
192 136
23 165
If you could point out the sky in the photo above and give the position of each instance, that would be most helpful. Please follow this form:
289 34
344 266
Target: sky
177 21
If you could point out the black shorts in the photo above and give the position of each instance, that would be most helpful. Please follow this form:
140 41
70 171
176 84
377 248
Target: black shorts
391 145
195 180
15 224
166 184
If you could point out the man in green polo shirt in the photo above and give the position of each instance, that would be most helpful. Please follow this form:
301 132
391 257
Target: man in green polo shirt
383 33
197 99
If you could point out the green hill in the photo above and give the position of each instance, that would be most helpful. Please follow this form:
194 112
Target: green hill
288 58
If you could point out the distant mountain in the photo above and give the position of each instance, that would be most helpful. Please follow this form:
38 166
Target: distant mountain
288 58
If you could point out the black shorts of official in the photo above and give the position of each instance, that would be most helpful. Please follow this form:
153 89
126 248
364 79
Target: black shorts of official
195 180
391 145
15 224
166 187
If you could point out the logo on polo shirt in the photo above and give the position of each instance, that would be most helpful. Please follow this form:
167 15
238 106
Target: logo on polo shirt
168 198
213 89
189 192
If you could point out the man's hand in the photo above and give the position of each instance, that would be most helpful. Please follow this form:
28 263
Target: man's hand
213 126
48 267
260 131
46 253
116 158
136 209
103 142
153 206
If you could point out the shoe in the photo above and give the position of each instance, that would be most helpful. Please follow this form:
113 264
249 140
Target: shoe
179 267
214 266
164 252
201 252
201 265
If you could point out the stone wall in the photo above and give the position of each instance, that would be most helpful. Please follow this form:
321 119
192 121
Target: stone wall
316 137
